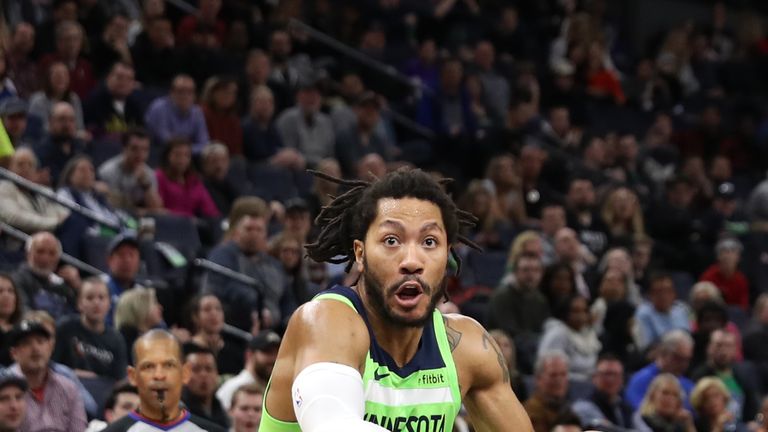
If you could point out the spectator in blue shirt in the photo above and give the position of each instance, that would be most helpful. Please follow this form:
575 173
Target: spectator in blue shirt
661 312
177 115
673 356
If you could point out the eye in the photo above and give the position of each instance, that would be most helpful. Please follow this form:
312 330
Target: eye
430 242
391 241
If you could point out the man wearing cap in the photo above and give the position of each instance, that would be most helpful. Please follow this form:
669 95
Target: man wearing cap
361 139
22 128
305 128
725 273
297 221
13 406
53 401
123 261
259 361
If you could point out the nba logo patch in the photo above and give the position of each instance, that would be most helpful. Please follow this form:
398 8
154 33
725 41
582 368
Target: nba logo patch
297 399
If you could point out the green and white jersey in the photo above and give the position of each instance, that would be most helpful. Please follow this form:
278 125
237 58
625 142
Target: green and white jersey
422 396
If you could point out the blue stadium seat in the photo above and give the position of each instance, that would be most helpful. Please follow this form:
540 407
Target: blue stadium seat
272 183
103 150
683 283
238 174
99 388
738 316
94 251
485 269
180 232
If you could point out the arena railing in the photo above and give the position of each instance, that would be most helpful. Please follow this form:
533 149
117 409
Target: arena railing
51 195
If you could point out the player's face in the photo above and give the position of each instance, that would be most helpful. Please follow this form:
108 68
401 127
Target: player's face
403 260
12 408
158 369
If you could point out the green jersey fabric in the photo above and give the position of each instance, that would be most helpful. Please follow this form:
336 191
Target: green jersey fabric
422 396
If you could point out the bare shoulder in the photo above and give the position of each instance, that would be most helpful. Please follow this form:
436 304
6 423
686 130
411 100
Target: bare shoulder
326 330
319 331
474 351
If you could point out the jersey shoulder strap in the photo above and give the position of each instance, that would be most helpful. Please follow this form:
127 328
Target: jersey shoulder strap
344 294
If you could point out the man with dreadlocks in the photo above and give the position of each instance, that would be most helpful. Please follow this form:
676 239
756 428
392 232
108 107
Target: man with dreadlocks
378 356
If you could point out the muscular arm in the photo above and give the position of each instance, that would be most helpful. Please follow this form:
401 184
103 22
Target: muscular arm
319 331
492 405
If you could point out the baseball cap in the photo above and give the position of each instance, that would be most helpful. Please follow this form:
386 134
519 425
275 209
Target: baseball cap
296 205
13 105
24 329
7 378
265 339
120 240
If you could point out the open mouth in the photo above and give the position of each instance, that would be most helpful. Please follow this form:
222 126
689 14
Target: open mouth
409 293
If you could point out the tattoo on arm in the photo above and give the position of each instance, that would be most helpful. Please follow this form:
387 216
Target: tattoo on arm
488 340
454 336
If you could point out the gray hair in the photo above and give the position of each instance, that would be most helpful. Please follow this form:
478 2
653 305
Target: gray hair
728 243
214 147
33 239
546 357
671 341
705 287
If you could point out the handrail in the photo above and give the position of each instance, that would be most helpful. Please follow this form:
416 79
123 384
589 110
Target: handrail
409 124
69 259
51 195
226 272
87 268
184 6
388 70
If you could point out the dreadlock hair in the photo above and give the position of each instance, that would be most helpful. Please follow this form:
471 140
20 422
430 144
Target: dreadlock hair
349 215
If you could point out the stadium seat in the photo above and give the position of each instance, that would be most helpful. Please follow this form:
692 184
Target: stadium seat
271 183
738 316
103 150
485 269
180 232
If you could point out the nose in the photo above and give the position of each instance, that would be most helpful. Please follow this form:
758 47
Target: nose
413 260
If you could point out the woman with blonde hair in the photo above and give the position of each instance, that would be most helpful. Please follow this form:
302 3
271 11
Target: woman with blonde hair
713 405
527 242
137 312
662 408
623 216
492 226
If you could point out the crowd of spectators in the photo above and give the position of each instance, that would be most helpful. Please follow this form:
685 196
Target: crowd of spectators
620 188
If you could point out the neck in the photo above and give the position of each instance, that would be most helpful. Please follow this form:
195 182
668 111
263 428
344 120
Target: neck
5 324
94 326
399 342
727 271
210 340
36 378
171 413
175 175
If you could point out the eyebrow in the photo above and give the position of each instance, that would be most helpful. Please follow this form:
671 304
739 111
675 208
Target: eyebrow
400 227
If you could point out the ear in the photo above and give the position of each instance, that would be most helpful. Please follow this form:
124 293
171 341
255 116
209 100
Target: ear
359 249
186 373
132 375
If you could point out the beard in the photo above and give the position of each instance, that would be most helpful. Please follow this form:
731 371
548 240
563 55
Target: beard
378 294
